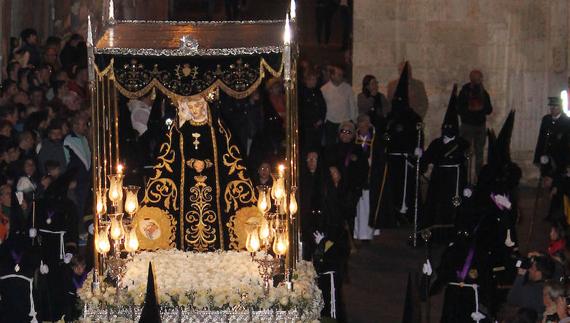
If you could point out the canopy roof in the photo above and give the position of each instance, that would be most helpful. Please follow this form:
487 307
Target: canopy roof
189 58
190 38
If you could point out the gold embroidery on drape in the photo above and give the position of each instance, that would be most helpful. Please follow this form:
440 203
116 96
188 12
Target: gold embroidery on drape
159 188
239 190
201 234
217 174
182 172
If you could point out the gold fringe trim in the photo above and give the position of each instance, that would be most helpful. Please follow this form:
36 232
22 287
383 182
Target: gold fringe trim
264 68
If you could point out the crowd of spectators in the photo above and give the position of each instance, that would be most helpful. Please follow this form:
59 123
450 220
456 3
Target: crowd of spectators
44 124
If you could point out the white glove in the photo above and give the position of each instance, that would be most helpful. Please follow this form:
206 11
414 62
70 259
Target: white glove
467 192
418 152
319 236
426 269
501 201
477 316
508 241
33 232
544 159
44 269
20 197
67 258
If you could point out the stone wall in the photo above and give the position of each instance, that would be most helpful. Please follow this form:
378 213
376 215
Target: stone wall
521 47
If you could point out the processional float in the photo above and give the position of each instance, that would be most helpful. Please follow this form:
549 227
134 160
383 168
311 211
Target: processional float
186 60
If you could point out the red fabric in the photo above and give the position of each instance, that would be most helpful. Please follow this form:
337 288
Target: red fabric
556 246
81 91
4 227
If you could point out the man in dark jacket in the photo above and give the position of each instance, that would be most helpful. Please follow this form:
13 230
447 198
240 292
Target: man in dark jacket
473 106
548 152
80 160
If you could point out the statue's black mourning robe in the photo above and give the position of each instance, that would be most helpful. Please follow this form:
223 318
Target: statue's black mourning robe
199 183
448 178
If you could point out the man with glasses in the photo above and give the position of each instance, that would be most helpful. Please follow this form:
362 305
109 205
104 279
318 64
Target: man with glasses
351 161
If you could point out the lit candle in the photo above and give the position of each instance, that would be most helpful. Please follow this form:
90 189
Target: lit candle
287 50
103 244
293 207
262 202
120 168
254 241
101 201
117 230
111 10
280 244
116 188
293 10
131 202
132 242
264 231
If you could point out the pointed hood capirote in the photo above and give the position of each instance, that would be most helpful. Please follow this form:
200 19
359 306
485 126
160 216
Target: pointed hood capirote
500 174
151 309
504 138
401 99
450 125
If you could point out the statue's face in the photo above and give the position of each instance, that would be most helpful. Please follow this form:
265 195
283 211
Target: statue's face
194 110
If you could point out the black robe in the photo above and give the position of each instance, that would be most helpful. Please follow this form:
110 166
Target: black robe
448 178
401 140
15 292
331 254
55 214
558 208
459 302
353 166
311 206
550 143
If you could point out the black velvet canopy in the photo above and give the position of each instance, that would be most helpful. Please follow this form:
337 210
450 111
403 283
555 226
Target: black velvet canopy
189 58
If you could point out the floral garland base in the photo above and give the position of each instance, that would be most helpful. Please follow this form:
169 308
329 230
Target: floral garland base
204 287
181 314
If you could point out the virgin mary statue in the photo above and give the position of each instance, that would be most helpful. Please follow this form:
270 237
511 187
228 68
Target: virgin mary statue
199 184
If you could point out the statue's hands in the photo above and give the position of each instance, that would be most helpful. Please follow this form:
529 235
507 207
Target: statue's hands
319 236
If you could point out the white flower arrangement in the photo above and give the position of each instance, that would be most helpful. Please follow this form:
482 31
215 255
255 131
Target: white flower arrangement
207 281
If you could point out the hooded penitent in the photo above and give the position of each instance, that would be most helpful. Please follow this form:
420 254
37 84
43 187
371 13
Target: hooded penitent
500 174
151 309
450 126
401 100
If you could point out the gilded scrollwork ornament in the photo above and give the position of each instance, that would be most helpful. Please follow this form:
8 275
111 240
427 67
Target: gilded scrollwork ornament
201 219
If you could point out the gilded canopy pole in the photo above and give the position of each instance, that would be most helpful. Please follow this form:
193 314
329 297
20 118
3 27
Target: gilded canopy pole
95 168
295 134
113 99
290 147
